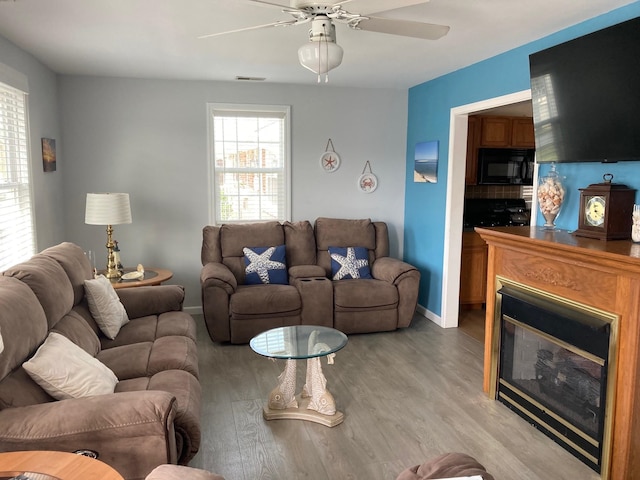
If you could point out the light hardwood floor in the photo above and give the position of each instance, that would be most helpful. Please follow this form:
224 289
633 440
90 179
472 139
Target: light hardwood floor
407 396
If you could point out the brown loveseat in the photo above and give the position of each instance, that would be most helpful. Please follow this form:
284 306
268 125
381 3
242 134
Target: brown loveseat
235 311
152 418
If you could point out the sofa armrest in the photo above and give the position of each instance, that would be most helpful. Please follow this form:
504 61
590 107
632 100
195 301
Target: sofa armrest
391 269
131 431
217 284
406 278
215 274
143 301
306 271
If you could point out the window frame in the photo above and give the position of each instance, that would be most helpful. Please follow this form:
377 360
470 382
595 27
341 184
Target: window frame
18 158
246 110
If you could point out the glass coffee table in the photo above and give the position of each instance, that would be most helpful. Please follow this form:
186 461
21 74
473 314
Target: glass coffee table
301 342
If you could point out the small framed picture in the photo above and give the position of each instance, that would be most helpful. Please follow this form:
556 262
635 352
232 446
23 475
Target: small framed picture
48 154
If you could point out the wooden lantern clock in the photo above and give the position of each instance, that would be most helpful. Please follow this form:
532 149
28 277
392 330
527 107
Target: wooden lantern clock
605 210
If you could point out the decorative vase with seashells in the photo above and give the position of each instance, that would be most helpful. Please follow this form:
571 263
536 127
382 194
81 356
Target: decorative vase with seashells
550 196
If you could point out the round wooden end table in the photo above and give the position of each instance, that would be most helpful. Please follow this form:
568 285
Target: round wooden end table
55 465
152 276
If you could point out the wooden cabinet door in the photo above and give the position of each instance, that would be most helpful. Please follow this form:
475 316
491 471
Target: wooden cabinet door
496 132
473 269
522 133
473 140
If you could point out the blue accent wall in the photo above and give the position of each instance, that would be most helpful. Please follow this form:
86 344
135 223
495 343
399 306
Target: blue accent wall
429 112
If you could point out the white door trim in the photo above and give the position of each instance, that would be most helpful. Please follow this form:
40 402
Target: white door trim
455 200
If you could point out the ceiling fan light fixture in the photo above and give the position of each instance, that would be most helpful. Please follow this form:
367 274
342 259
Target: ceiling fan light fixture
321 54
320 57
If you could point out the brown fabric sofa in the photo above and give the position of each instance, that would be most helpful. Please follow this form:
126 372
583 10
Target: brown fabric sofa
236 312
447 465
152 418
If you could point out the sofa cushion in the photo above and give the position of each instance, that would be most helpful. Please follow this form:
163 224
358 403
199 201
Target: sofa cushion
264 301
65 370
49 282
335 232
105 306
152 327
24 328
234 237
265 265
74 327
301 243
22 321
363 294
145 359
349 263
448 465
75 264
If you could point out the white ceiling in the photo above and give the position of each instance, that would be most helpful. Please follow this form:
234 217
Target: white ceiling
158 38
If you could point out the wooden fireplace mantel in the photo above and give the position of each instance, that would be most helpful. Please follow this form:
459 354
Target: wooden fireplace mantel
601 274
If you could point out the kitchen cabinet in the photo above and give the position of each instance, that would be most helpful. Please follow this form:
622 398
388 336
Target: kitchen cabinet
522 133
473 140
495 132
473 270
506 132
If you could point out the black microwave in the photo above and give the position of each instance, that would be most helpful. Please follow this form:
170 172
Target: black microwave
505 166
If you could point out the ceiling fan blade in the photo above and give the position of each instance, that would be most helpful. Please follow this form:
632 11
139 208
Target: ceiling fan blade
283 23
367 7
283 8
405 28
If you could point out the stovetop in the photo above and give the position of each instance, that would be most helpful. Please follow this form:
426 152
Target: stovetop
495 212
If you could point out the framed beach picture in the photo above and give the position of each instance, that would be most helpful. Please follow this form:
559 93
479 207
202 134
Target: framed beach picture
48 154
426 162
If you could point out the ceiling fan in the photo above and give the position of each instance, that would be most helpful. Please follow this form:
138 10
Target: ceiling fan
322 53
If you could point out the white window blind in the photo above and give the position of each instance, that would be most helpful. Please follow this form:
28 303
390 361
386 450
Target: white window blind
17 234
249 163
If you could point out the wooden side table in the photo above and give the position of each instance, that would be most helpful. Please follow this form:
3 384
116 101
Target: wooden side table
152 276
57 465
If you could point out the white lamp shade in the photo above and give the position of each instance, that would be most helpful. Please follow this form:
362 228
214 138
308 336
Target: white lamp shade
1 343
107 209
320 56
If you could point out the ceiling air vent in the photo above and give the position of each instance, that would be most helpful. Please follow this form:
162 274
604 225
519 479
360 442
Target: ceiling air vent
250 79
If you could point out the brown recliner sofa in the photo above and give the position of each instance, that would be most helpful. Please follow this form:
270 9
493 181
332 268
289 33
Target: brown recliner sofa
235 312
152 418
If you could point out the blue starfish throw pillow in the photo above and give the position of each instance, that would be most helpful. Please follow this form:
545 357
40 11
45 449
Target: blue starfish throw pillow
349 262
265 265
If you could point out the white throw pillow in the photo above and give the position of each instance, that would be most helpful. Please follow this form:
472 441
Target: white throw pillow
105 306
64 370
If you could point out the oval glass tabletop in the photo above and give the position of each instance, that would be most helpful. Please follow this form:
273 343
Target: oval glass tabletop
298 342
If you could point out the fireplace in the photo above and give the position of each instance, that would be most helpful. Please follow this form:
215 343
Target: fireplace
554 368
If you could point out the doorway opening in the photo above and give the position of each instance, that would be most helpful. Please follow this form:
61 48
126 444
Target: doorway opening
455 200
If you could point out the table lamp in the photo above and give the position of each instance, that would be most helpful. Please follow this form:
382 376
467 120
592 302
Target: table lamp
108 209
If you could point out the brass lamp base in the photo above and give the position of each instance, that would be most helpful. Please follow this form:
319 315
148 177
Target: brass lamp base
112 270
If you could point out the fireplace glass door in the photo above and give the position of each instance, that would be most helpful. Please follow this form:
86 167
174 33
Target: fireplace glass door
553 371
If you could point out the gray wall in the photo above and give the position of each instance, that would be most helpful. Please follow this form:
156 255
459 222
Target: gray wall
149 138
43 122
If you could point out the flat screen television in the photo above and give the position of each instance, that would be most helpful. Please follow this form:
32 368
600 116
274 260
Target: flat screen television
586 97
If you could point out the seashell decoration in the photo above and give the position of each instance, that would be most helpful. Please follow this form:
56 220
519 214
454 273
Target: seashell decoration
550 196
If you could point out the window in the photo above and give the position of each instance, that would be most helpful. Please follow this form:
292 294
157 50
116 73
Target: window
249 163
17 233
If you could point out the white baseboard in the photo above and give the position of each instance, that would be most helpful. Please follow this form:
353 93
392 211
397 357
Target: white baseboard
197 310
429 315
